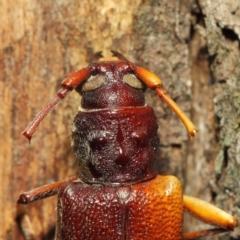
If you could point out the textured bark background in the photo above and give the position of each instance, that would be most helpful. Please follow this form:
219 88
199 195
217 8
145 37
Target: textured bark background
192 45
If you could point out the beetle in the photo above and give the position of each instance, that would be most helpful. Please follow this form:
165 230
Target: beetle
118 193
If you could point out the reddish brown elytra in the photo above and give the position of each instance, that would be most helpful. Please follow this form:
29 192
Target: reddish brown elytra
118 194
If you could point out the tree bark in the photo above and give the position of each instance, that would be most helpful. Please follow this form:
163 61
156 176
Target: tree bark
222 31
192 46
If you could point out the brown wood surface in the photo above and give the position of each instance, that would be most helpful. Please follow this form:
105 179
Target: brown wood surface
192 45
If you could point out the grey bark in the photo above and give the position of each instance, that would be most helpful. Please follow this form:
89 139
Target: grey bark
222 32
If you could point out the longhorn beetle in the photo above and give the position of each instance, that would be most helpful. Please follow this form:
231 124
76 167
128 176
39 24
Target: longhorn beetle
118 194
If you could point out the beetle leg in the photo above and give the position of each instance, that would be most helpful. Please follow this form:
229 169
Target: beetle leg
153 82
203 233
43 192
210 214
68 84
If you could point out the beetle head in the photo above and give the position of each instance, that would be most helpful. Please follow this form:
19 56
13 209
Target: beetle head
112 85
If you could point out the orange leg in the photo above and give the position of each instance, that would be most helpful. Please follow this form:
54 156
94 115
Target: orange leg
210 214
43 192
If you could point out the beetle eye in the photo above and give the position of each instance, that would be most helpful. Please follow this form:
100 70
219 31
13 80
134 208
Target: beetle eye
93 83
133 81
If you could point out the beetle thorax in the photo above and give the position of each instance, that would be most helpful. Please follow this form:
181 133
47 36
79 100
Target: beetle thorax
116 145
